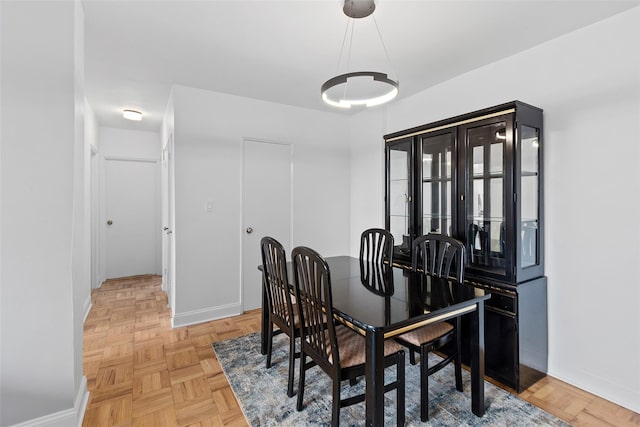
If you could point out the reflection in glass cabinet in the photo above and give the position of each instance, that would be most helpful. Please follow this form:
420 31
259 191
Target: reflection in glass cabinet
437 183
399 194
485 204
530 179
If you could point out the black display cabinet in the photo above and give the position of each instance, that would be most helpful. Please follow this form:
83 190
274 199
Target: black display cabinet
479 178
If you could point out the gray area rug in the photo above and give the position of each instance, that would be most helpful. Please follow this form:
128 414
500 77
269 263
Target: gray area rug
262 393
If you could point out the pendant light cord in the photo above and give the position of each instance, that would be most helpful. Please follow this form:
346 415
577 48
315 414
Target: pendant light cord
344 41
353 25
384 47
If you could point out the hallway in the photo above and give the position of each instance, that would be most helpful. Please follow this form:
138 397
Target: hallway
140 372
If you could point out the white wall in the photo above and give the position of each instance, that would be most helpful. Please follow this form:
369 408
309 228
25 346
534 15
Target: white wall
91 128
81 217
130 144
209 130
366 162
588 84
43 275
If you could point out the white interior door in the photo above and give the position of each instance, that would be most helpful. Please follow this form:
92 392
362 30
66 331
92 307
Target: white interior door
266 209
132 216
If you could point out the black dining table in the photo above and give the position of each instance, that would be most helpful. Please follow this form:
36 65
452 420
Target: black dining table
411 300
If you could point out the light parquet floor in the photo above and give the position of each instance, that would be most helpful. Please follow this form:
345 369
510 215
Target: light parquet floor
140 372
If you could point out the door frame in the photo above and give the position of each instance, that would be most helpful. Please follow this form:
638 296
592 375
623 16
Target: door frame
167 212
243 204
97 262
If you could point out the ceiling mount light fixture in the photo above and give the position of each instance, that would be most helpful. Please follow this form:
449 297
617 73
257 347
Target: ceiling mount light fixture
366 88
358 8
132 115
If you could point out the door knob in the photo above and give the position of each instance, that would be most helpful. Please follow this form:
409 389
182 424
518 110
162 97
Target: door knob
109 222
249 230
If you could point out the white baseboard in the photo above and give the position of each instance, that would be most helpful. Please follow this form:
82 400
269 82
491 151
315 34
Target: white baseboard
87 308
101 280
66 418
620 394
205 315
82 399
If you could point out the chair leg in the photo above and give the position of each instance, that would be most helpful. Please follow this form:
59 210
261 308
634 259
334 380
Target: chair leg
412 357
458 357
269 343
301 380
400 379
292 364
424 386
335 404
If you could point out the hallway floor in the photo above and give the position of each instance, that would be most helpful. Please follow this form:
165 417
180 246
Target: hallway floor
140 372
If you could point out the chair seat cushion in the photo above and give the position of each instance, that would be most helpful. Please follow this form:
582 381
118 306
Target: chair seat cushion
426 333
351 347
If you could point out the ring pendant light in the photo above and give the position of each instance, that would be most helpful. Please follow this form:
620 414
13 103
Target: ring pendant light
367 88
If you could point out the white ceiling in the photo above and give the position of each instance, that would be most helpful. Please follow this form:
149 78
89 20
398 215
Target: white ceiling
282 51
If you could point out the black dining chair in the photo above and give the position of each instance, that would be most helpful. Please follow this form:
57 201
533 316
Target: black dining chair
337 350
376 245
436 257
279 301
376 258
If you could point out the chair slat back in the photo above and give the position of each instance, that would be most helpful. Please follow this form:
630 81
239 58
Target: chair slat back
274 264
376 245
437 255
313 291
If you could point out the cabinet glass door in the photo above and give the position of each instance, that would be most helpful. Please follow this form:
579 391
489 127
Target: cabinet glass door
438 170
529 226
485 200
399 191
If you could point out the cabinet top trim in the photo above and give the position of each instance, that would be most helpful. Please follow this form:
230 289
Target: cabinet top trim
453 124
